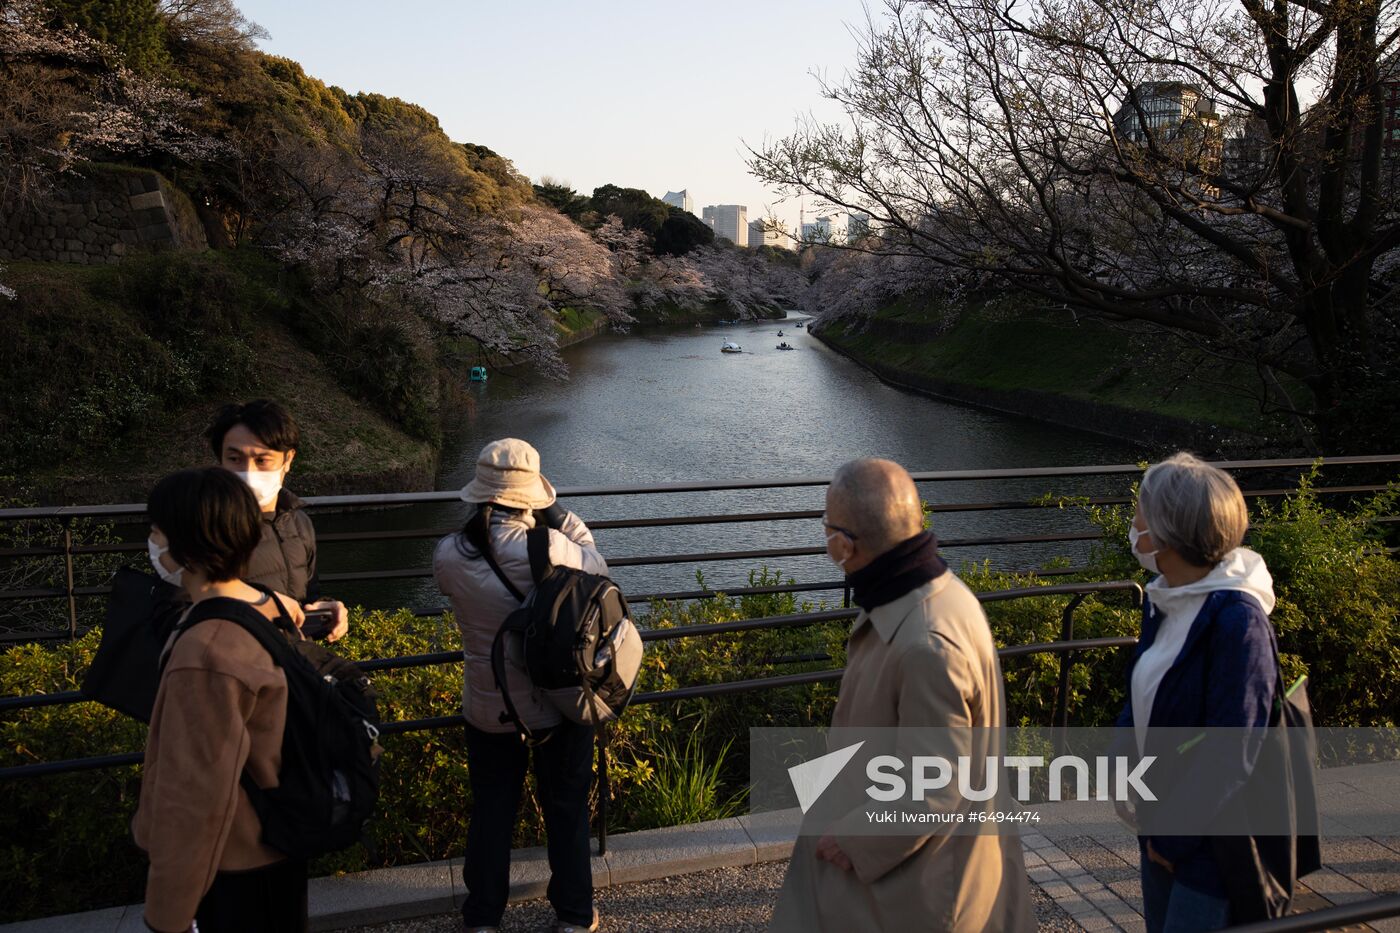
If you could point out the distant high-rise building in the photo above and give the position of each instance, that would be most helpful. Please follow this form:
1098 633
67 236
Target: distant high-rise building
857 225
681 199
1174 114
730 221
827 229
1245 150
762 234
1162 108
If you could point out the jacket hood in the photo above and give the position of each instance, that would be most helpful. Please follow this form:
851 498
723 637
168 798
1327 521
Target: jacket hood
1242 570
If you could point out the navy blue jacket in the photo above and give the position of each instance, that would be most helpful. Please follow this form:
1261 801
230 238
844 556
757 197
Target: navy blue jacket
1225 676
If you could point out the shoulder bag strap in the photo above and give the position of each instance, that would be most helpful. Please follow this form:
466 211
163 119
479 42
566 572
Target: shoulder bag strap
537 543
500 575
498 672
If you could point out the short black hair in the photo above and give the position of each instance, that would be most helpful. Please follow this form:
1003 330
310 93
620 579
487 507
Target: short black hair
211 520
272 423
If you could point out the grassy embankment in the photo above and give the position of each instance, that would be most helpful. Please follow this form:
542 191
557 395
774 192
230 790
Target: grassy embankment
1041 356
109 374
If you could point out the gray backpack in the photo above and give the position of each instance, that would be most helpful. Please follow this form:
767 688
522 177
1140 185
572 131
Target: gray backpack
575 637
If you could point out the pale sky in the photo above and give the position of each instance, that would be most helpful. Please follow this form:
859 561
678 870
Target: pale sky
658 95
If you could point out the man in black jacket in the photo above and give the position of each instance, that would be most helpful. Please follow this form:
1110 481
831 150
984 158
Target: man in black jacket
257 442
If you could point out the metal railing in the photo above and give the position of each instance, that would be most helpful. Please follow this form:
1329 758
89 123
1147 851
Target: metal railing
1067 646
71 552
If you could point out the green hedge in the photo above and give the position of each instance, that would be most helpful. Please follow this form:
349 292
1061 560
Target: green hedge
66 843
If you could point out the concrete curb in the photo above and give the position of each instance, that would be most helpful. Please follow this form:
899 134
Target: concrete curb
409 891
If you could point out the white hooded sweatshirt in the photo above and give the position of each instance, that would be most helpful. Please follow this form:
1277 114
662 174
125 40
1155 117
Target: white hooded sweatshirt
1242 569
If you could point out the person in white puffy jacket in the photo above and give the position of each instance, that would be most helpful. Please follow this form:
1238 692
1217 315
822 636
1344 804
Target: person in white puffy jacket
509 496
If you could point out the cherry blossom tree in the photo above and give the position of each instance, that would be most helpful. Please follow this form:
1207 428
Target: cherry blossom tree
388 209
1024 140
65 99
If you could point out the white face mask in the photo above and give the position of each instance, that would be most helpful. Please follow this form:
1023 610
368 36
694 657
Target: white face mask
265 485
1148 560
175 577
838 563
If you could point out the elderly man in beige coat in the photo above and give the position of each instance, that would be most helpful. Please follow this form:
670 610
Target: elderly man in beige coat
919 655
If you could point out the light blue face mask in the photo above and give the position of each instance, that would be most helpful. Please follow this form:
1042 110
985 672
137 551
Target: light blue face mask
173 577
1147 560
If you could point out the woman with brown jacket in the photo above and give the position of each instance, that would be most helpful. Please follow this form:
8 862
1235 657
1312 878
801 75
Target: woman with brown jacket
221 709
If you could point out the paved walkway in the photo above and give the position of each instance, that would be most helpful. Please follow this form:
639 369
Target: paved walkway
1082 882
1088 861
725 875
724 899
1083 864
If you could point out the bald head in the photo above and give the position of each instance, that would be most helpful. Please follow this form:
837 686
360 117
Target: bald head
877 500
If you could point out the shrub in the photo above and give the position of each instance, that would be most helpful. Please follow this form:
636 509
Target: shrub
1338 612
377 357
1032 682
67 838
685 785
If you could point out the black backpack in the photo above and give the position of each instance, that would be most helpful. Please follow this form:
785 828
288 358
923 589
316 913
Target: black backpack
575 637
328 783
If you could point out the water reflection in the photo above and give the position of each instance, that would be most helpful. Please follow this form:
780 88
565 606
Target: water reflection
666 405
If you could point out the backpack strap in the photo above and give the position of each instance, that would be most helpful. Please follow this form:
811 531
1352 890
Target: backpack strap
261 628
246 617
498 671
501 575
537 543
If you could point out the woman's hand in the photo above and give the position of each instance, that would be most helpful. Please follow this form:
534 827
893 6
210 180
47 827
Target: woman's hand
553 516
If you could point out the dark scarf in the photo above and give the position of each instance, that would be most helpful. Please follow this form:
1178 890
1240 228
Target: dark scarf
903 568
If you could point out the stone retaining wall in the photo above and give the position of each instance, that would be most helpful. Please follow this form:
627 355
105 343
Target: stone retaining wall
100 217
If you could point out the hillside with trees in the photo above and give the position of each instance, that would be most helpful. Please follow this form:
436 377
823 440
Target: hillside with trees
350 225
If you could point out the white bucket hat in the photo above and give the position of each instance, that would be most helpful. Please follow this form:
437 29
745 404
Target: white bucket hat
508 474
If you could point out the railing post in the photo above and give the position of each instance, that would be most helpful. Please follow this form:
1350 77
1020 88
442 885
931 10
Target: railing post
68 580
1061 715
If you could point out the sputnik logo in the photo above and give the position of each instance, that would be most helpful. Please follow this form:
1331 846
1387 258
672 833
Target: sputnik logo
811 778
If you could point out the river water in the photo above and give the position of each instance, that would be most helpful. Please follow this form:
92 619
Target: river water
660 406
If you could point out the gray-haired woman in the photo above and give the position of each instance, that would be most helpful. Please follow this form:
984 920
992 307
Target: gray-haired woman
1206 659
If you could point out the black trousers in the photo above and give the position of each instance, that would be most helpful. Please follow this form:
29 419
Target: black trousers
269 900
496 765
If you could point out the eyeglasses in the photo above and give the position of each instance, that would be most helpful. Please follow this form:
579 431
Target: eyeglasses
838 529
